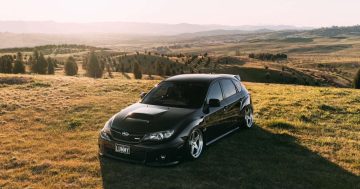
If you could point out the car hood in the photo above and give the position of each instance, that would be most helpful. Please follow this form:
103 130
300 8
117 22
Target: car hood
143 118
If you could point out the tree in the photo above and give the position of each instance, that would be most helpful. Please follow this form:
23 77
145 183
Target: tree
108 69
357 80
137 71
94 68
122 68
267 76
167 70
207 62
159 69
51 66
33 61
38 63
70 66
85 62
237 52
6 64
42 64
19 66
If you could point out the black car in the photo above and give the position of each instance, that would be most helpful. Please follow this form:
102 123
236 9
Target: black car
177 119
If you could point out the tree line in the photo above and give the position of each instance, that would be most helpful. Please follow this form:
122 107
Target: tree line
268 56
37 63
96 64
49 47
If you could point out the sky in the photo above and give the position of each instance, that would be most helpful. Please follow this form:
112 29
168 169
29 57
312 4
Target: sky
313 13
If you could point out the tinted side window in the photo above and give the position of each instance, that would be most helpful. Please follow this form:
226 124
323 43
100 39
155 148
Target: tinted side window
228 87
215 92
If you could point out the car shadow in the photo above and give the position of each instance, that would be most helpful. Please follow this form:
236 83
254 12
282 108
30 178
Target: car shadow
250 158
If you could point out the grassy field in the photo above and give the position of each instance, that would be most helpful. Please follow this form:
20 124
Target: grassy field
305 137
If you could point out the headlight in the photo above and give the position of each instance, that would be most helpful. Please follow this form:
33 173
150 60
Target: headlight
157 136
105 132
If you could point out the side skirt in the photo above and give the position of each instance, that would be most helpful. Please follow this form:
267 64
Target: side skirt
221 136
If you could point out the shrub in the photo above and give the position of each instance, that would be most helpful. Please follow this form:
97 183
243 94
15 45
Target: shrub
357 80
70 67
94 69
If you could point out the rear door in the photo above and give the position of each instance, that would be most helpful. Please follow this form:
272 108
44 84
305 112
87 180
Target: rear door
231 103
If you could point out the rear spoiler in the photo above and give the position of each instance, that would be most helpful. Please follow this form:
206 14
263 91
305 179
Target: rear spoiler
237 77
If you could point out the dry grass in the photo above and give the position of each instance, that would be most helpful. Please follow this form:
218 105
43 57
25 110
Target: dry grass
49 129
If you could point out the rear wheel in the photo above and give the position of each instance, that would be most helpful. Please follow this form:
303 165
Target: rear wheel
248 120
195 144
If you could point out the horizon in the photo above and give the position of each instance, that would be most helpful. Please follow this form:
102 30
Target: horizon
164 23
228 12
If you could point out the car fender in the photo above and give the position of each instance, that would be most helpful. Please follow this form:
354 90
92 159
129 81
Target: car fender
196 123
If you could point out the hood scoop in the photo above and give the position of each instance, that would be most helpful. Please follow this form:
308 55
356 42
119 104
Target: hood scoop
144 114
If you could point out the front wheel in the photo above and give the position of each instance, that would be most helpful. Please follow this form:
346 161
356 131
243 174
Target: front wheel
195 144
248 120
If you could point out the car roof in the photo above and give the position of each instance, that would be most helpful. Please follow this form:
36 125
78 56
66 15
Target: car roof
200 77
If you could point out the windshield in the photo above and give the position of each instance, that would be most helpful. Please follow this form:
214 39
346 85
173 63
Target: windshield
177 94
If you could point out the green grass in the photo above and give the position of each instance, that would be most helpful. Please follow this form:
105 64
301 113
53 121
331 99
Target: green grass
305 137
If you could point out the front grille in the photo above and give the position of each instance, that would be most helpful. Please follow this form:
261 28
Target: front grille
131 138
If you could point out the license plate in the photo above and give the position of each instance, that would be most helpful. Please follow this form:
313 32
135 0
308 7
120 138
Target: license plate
122 149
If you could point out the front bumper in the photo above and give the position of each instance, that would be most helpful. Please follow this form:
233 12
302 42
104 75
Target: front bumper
168 153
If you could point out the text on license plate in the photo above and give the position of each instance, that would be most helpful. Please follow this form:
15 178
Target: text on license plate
122 149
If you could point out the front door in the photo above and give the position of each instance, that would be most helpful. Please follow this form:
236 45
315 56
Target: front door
214 119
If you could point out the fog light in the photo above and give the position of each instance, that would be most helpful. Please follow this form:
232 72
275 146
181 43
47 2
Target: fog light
162 157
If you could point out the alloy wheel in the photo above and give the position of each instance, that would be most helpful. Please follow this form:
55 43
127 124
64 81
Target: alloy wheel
196 143
249 117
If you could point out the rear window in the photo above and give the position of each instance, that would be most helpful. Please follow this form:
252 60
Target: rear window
228 88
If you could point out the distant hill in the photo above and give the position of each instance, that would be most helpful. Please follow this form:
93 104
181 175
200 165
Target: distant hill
50 27
336 31
223 32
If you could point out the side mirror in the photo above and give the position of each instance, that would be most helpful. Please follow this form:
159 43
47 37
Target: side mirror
142 95
214 103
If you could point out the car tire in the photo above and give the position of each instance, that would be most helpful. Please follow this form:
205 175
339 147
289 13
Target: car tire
195 144
248 120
